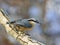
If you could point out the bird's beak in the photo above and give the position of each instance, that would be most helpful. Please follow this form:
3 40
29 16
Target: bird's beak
36 21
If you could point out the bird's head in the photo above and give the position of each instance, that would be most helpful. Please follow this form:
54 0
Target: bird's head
33 21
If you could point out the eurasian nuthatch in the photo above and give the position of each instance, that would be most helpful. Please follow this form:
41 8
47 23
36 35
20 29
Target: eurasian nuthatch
24 24
20 24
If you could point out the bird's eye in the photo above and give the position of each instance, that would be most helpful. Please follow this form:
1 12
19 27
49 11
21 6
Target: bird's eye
34 21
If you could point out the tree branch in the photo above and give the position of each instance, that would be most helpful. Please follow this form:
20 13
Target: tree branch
20 37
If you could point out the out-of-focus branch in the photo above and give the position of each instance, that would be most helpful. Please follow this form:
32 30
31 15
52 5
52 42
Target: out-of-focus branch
21 37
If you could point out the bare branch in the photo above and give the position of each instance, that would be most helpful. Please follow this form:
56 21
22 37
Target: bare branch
21 37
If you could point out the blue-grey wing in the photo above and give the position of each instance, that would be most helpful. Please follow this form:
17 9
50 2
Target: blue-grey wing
24 23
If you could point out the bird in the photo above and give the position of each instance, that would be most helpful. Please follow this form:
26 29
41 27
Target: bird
24 24
20 24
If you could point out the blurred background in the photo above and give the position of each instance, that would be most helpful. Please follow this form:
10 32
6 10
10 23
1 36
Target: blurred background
47 12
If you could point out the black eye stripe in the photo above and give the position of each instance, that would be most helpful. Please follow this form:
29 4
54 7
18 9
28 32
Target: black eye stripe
34 21
30 20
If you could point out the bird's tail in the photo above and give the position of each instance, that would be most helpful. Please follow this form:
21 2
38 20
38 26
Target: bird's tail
5 14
